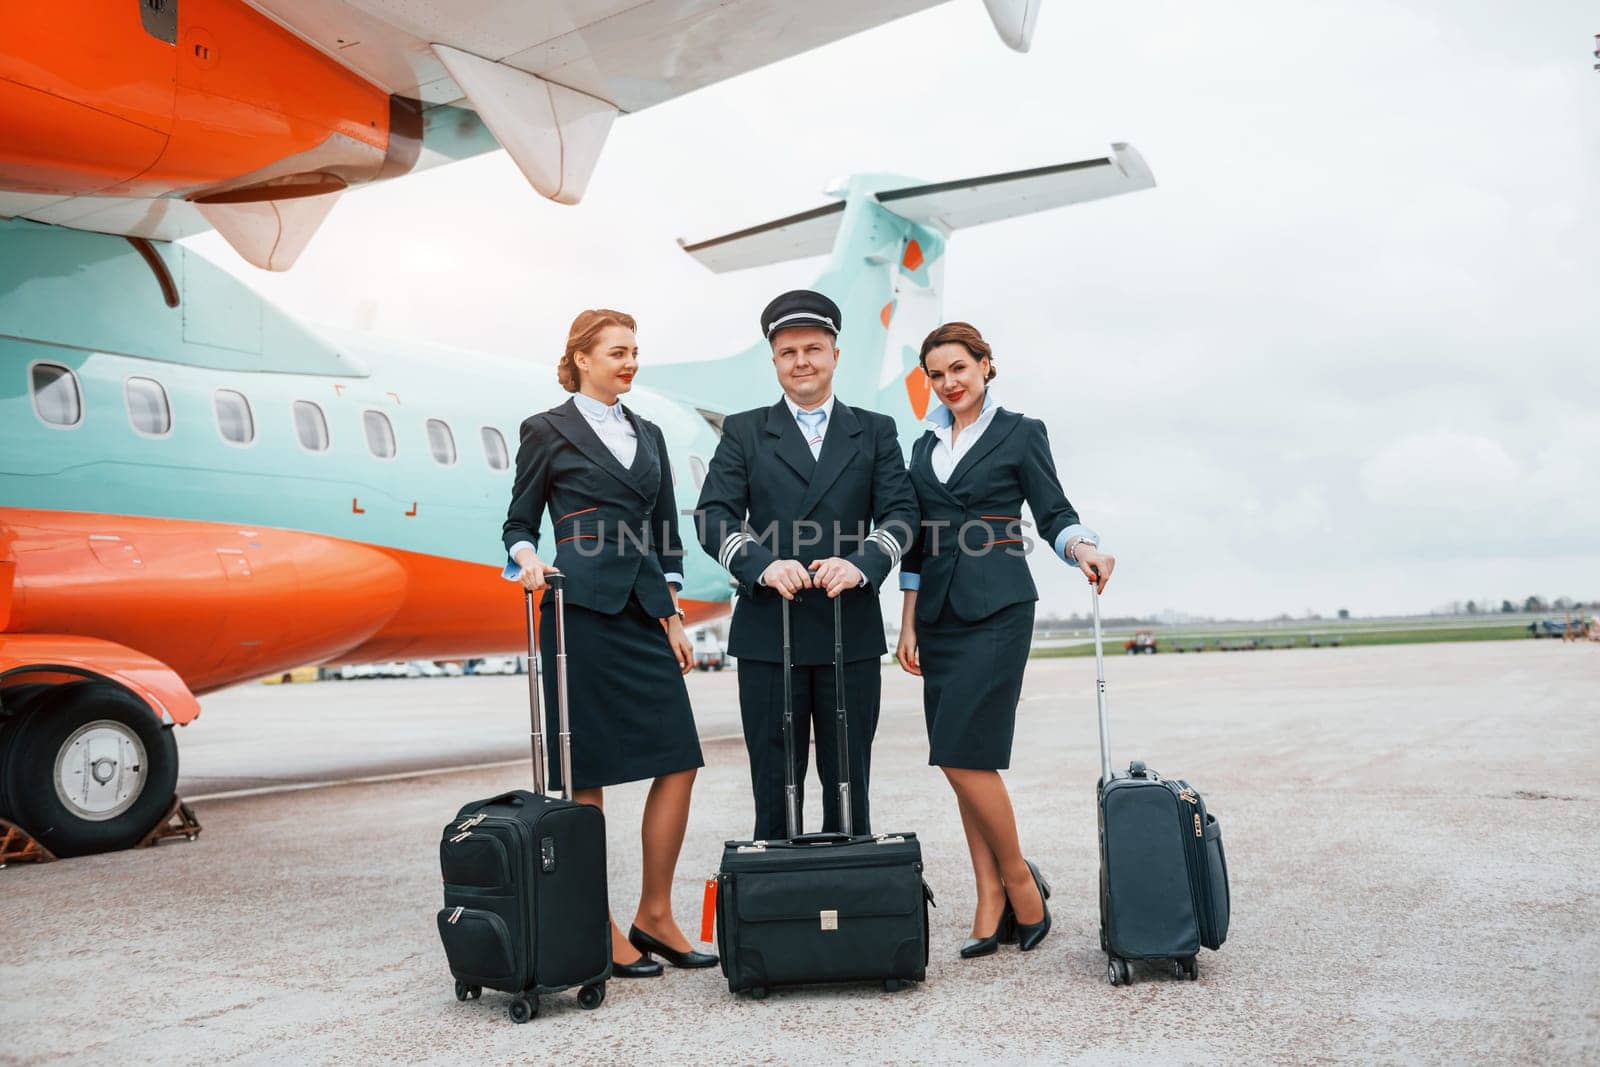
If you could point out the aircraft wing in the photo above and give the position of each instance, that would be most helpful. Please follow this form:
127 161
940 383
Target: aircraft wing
338 93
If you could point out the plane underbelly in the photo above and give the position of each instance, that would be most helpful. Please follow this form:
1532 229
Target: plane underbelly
216 602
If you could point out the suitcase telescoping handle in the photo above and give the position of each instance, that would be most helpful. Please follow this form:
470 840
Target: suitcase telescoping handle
791 788
1100 686
564 738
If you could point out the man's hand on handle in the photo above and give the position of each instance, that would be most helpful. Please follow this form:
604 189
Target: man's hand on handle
1095 565
786 577
836 575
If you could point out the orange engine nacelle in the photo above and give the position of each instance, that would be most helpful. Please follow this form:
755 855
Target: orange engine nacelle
204 99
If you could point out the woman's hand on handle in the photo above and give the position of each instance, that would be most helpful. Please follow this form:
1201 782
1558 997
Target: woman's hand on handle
533 570
1095 565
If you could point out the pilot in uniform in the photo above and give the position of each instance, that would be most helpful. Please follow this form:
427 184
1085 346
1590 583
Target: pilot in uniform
813 480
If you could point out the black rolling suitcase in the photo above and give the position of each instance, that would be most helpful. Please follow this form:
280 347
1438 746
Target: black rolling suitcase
825 907
1163 876
525 908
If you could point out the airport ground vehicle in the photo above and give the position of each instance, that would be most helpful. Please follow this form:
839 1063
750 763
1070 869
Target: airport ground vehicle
1142 642
709 652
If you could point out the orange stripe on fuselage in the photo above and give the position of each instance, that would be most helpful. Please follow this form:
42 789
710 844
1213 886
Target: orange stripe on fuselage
220 603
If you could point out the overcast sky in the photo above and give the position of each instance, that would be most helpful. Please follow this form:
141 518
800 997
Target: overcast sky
1343 356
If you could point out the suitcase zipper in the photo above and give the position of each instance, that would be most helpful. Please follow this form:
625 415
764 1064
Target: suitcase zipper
1194 856
454 915
470 823
456 840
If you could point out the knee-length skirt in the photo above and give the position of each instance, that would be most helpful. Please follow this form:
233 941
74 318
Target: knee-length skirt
627 703
971 682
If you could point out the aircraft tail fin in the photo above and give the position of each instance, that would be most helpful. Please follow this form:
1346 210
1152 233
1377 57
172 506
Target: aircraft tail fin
887 237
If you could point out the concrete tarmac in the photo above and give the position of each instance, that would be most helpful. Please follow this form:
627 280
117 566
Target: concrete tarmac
1411 835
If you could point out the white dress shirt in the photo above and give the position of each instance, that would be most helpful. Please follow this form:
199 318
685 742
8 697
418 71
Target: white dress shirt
945 456
611 425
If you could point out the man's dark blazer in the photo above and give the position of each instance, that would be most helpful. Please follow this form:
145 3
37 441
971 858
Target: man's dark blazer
616 530
970 549
766 499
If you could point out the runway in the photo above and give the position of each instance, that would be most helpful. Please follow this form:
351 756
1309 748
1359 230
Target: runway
1410 834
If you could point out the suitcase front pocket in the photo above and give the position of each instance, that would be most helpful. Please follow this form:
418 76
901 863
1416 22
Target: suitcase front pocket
1215 925
478 946
477 860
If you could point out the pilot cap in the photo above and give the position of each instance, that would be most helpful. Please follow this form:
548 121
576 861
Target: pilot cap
801 307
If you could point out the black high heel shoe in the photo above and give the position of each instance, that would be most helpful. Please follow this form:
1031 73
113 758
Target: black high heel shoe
1030 934
690 960
1005 932
643 967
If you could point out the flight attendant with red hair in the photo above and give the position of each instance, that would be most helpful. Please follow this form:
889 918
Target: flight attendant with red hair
602 473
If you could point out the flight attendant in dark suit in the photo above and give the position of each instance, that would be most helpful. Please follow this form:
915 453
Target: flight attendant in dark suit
602 472
807 500
967 615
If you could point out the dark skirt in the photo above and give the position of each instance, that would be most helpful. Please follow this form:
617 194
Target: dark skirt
628 707
971 681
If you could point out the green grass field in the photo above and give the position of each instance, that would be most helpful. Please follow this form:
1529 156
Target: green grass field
1328 636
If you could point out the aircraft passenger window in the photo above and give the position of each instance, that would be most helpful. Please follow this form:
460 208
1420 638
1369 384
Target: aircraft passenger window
380 434
147 406
55 395
233 417
697 471
494 449
310 426
441 442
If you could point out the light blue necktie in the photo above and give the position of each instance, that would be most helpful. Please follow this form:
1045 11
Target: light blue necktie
811 422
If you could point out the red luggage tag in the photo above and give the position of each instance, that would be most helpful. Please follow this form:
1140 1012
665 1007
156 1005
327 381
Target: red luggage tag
708 910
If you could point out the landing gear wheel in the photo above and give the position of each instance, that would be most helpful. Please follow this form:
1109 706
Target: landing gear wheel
894 985
90 769
521 1009
591 997
1118 972
758 993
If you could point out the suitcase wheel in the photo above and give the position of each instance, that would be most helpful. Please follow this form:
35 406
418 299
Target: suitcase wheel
591 997
894 985
467 992
1189 966
758 992
1118 972
521 1009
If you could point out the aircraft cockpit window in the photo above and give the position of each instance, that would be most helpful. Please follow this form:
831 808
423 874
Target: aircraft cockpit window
494 449
311 426
148 409
697 471
55 395
234 420
441 442
380 434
